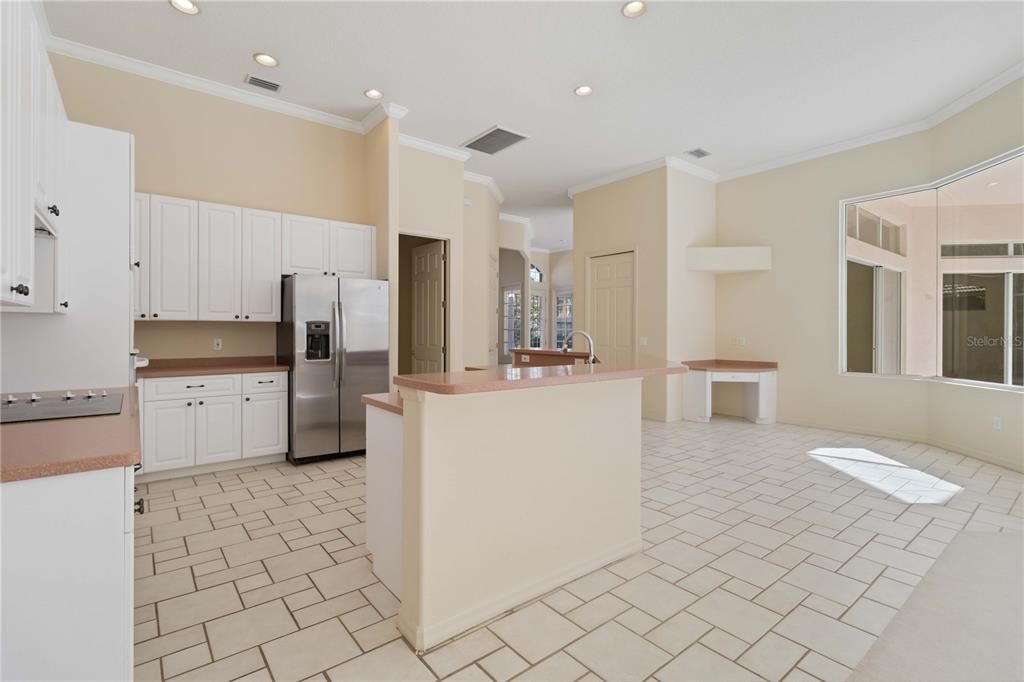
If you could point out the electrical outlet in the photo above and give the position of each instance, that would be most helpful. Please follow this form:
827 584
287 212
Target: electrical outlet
218 344
643 340
739 340
997 423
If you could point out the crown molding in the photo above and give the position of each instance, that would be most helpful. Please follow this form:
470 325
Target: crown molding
608 179
509 218
675 163
488 181
955 107
433 148
380 112
95 55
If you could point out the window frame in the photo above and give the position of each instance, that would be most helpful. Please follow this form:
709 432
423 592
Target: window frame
841 274
554 315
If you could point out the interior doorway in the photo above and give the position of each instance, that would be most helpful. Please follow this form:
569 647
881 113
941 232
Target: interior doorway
511 283
422 304
610 292
874 318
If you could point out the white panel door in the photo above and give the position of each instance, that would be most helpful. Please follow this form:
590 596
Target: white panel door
173 258
305 245
140 257
218 429
264 424
169 439
220 262
611 303
352 250
261 266
428 278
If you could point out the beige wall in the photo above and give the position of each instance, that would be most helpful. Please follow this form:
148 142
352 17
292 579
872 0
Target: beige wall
480 245
195 339
790 313
382 186
561 270
190 144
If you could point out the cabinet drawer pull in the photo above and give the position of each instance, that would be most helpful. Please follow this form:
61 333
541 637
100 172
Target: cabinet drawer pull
195 385
265 381
136 467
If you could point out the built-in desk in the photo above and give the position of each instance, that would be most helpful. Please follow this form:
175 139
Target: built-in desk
759 379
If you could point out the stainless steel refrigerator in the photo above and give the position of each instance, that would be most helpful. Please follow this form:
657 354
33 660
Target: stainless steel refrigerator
333 336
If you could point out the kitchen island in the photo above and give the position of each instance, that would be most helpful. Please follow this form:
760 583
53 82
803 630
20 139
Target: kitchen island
514 480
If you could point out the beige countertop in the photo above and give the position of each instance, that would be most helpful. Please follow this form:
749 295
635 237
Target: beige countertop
66 446
392 402
508 377
185 367
731 365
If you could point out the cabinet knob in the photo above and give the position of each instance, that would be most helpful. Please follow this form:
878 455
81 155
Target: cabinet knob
140 505
200 402
142 315
21 289
236 317
156 314
247 317
325 272
247 399
137 264
188 404
63 304
53 209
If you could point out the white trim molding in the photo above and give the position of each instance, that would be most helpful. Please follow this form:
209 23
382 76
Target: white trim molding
509 218
665 162
487 180
433 148
112 60
380 112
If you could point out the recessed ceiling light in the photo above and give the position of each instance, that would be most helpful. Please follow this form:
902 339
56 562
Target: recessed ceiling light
631 10
992 184
373 93
185 6
583 90
264 59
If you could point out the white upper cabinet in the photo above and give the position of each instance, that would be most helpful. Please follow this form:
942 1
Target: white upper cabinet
139 249
261 265
305 245
173 255
352 250
220 262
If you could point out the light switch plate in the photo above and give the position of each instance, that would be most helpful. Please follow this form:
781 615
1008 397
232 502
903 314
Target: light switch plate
218 344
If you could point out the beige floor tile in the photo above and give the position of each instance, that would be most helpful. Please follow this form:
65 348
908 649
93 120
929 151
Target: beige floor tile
275 590
255 550
536 631
343 578
230 668
823 668
772 656
721 642
639 622
143 631
377 634
389 663
678 632
759 535
197 607
889 592
828 547
360 618
302 599
249 628
149 590
827 584
336 519
702 581
258 505
700 664
167 644
562 601
462 652
201 542
329 608
296 656
869 615
296 563
225 576
147 672
826 635
382 599
558 668
155 518
186 659
261 675
179 529
737 616
633 566
599 611
781 597
219 499
593 584
897 558
698 525
471 673
615 653
681 555
503 664
655 596
292 512
749 569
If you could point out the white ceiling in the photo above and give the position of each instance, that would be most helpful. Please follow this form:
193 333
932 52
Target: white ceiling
751 82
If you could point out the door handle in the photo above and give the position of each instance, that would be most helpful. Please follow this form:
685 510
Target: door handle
336 323
341 344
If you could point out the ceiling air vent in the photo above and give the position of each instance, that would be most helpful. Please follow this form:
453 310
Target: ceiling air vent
494 140
699 153
260 83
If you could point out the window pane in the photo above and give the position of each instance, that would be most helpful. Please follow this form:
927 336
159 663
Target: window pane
975 250
891 237
973 326
870 227
1017 359
851 220
512 321
536 321
563 319
860 317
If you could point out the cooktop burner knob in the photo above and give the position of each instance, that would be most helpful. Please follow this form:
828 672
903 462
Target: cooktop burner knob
69 396
104 395
11 399
34 398
90 394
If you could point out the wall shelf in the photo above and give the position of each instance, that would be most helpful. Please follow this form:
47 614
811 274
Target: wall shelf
725 259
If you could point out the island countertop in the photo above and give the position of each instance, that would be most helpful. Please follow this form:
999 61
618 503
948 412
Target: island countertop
508 377
66 446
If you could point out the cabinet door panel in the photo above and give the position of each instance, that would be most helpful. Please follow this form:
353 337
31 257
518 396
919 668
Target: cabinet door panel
220 267
352 250
261 266
140 257
169 434
173 233
305 245
264 424
218 429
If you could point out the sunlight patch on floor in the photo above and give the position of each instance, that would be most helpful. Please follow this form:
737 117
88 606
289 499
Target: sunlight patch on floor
904 483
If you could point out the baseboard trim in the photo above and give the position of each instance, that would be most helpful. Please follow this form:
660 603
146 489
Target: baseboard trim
208 468
426 637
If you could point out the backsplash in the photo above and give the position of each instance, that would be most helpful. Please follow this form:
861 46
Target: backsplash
196 339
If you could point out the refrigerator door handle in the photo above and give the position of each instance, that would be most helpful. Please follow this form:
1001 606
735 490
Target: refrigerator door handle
342 343
336 321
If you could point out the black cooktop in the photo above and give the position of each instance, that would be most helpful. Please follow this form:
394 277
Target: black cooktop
24 409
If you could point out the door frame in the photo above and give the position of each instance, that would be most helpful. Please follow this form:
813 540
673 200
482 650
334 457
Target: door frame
587 288
446 242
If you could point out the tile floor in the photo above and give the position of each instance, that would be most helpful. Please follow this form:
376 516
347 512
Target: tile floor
775 552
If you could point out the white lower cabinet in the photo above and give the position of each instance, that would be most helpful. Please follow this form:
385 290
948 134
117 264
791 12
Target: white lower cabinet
200 420
264 424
